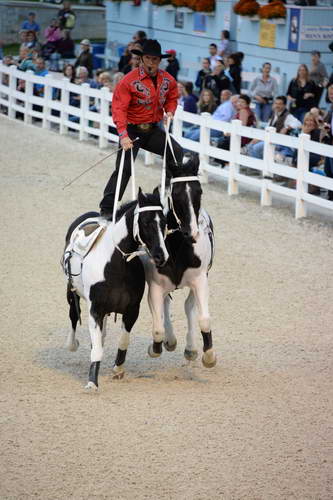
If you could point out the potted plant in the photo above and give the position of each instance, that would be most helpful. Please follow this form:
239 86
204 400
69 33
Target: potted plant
246 8
273 10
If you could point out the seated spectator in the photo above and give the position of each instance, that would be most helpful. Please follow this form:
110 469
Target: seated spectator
173 64
85 58
30 24
206 103
126 57
329 83
52 36
135 62
224 112
116 79
311 127
284 122
40 71
224 49
214 57
217 80
6 61
248 119
25 60
66 17
69 72
328 125
187 99
66 46
82 76
206 70
263 89
23 38
140 37
105 80
32 42
233 72
318 75
301 93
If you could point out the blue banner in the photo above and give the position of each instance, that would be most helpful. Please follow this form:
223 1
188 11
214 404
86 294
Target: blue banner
294 29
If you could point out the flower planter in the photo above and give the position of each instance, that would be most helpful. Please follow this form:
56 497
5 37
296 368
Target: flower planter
186 10
253 18
277 20
170 8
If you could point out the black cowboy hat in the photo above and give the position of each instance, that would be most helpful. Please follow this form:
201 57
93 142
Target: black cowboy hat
150 48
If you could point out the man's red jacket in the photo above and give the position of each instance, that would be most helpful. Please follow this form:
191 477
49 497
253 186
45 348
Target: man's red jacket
136 100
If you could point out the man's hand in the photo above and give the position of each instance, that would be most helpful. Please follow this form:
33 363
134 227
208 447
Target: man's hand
167 116
126 143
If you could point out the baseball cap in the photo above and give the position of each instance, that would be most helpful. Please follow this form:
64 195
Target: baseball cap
85 41
171 52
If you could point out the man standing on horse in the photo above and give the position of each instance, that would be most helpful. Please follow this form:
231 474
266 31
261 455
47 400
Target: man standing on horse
140 101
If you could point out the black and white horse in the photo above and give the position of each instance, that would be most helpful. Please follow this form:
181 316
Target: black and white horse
191 247
111 277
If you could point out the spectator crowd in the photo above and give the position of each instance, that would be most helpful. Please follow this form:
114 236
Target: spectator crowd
217 89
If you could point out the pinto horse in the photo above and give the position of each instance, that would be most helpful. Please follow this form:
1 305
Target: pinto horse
191 248
110 277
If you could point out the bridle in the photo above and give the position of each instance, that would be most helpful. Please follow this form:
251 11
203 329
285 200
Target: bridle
172 207
136 233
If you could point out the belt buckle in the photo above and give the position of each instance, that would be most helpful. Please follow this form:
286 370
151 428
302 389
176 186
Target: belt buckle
144 126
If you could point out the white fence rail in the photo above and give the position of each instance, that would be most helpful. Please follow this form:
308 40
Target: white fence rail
55 107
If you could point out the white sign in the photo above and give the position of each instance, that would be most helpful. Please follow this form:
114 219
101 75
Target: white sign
226 21
317 33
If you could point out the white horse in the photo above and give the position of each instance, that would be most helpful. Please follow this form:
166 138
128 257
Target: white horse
110 277
191 247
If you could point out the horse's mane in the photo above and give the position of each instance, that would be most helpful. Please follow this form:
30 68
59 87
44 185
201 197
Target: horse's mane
150 199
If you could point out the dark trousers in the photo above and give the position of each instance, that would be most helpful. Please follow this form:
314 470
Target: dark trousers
152 141
328 168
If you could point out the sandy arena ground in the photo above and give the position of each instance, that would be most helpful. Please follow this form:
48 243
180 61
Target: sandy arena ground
257 427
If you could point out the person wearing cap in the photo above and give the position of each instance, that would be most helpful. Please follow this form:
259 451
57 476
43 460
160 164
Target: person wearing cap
140 100
173 63
30 23
66 17
85 58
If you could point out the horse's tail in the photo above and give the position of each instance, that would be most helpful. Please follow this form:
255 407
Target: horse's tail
73 300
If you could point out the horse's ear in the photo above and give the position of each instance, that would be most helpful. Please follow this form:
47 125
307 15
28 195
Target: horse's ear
193 164
156 192
141 196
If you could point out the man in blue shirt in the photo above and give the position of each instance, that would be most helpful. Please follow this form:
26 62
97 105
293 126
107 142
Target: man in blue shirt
224 112
31 24
40 71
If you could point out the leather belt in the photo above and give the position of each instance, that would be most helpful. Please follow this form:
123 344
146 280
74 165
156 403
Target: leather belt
144 127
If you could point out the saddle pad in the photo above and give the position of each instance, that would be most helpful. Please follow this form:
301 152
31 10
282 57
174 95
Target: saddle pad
86 235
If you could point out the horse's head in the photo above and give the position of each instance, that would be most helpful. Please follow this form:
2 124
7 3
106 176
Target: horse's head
186 197
150 226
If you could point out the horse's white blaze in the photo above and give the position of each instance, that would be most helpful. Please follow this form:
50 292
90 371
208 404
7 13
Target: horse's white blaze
193 219
161 238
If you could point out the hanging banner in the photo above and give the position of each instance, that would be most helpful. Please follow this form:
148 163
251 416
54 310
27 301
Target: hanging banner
294 29
317 33
199 22
267 34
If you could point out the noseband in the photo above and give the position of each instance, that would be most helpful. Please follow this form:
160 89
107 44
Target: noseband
173 181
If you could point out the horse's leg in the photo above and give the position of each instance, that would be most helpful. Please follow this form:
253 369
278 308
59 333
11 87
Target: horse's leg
129 318
201 293
170 341
73 299
156 301
95 330
105 320
190 352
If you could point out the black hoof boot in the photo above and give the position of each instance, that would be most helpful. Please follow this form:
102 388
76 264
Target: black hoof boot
93 376
155 350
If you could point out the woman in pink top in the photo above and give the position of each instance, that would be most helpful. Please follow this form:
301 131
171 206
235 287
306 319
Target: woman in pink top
52 33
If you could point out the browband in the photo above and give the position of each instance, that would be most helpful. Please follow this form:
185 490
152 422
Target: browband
149 208
184 179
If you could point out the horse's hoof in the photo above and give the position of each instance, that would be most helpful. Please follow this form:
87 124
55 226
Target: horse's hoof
91 387
151 352
190 355
209 358
118 373
170 347
73 346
